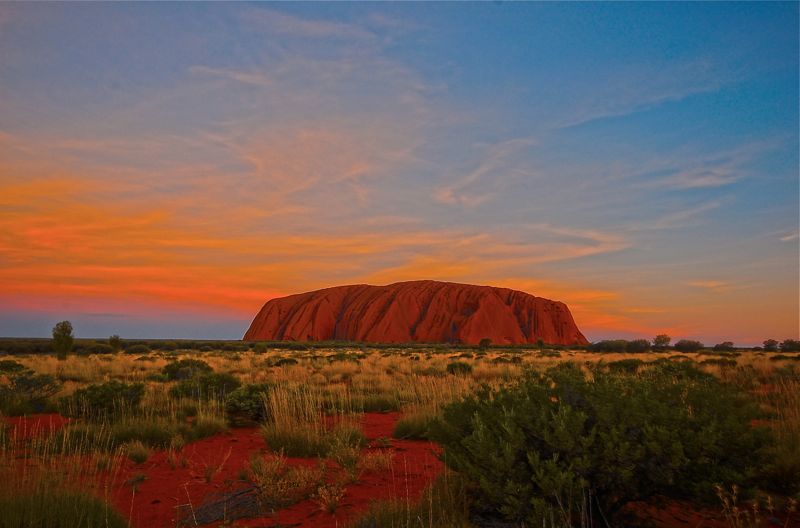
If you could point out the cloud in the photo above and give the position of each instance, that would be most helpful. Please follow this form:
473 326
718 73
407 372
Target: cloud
790 237
273 21
710 285
471 189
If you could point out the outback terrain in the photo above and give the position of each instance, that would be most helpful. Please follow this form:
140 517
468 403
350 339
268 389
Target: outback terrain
181 433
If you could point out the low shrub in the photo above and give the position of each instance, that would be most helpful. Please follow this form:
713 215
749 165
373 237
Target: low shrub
103 400
629 365
28 393
246 405
184 369
284 362
57 509
206 387
539 448
137 349
137 452
9 366
459 368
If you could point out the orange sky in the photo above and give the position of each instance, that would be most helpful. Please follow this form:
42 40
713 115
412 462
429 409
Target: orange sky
188 179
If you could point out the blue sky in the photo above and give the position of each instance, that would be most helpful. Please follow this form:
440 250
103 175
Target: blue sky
167 168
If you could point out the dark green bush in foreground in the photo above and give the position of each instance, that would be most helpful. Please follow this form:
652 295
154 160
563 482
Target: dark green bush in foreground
459 368
57 509
28 393
103 400
206 386
245 405
541 447
186 369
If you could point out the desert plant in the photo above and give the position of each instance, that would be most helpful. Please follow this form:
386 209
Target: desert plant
103 400
246 405
184 369
137 452
770 345
459 368
546 443
688 345
59 508
206 386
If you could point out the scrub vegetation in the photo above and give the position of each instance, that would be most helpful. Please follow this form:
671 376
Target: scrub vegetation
538 436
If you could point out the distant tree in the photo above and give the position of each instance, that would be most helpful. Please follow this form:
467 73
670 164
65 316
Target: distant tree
63 339
661 341
687 345
725 346
638 345
770 345
484 343
115 342
790 345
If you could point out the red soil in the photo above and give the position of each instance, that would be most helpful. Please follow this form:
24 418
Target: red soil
154 503
415 465
24 428
417 311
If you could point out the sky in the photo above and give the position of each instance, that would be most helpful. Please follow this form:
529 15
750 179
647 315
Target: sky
165 169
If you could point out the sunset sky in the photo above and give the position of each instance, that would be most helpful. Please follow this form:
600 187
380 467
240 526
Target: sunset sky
167 168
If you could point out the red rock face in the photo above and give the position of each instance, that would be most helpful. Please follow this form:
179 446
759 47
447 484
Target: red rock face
417 311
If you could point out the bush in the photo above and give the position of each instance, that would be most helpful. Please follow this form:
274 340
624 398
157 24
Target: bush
9 366
687 345
100 348
725 346
459 368
185 369
283 362
63 339
206 387
638 346
137 349
103 400
544 445
615 345
246 406
28 393
57 509
630 365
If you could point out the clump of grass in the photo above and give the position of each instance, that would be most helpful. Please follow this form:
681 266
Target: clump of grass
444 504
53 508
329 496
279 485
413 426
137 452
377 460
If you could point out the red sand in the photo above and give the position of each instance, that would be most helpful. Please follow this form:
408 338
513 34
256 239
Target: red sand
28 427
417 311
153 504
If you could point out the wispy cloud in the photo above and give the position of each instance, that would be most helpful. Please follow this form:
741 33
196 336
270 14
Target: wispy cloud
710 285
790 237
274 21
495 166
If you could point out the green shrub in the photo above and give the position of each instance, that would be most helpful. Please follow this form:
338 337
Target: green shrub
184 369
137 349
206 387
57 509
630 365
103 400
283 362
9 366
137 452
542 446
459 368
245 405
28 393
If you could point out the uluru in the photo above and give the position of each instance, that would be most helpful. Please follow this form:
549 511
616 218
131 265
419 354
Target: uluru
416 311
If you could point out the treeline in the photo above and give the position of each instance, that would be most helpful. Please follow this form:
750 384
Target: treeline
662 342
